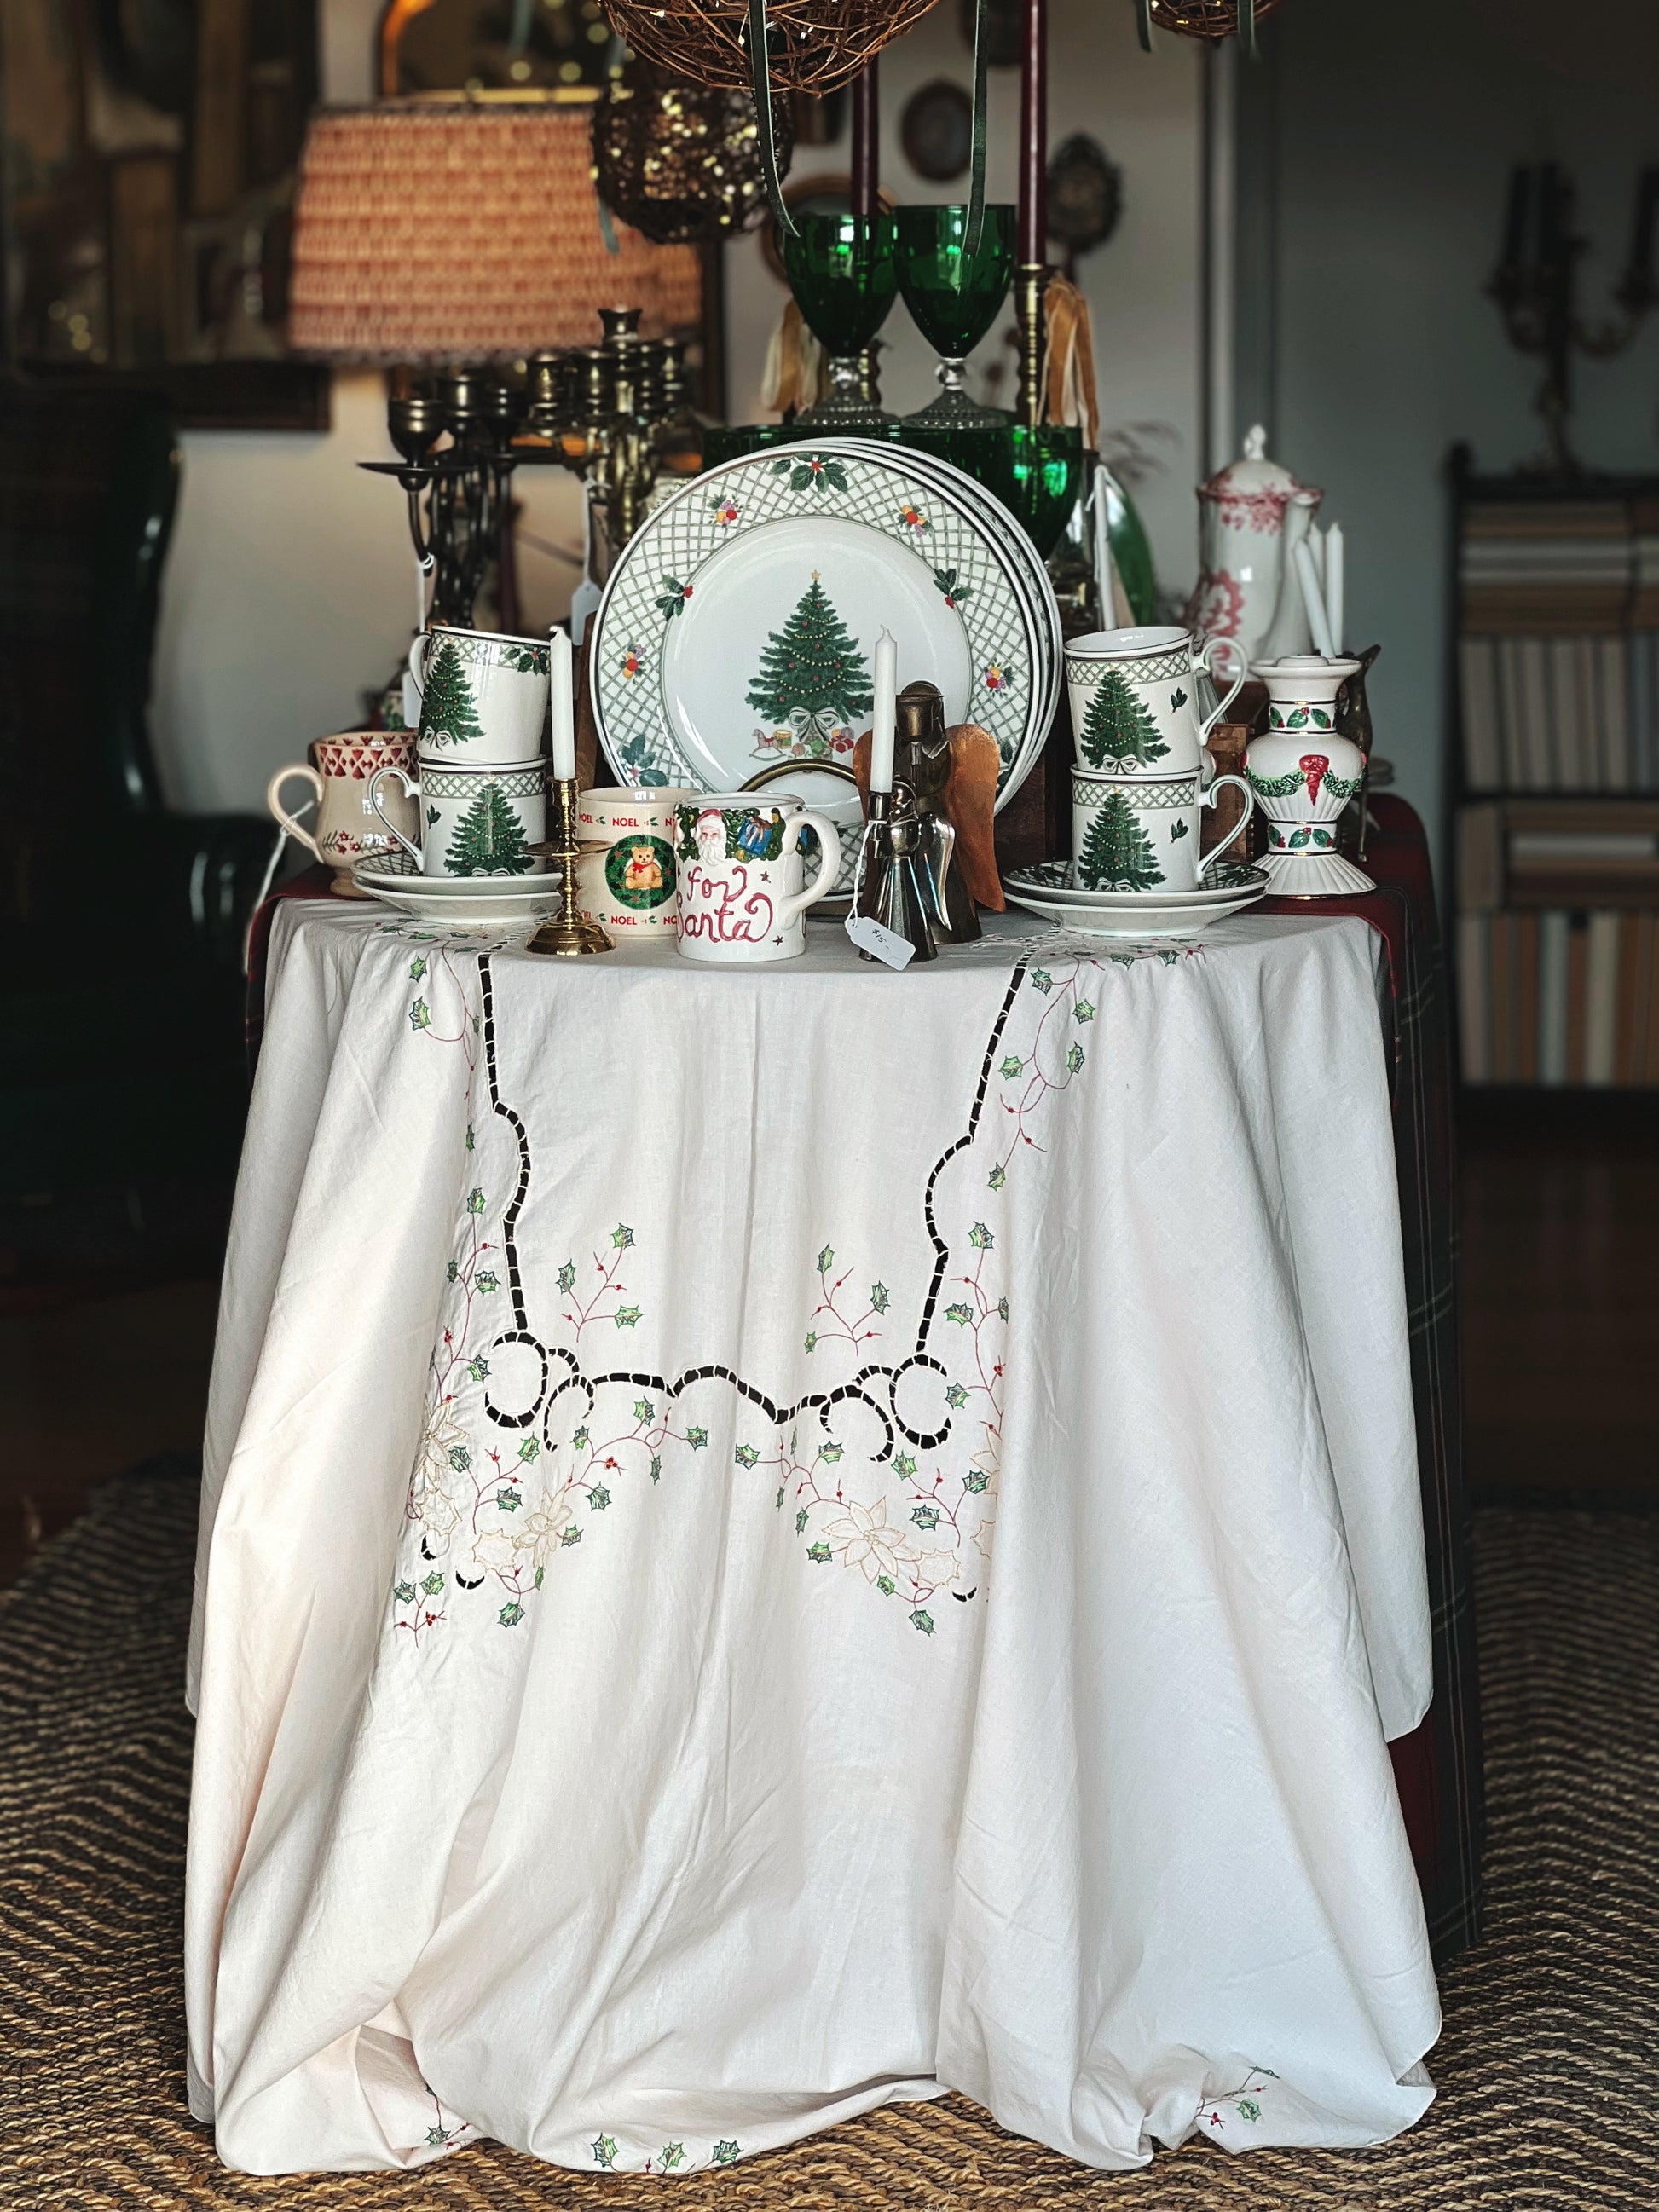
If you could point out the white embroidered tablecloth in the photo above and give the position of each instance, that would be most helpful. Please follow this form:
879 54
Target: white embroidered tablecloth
776 1538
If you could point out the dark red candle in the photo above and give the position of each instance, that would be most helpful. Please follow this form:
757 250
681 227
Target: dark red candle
1034 136
867 152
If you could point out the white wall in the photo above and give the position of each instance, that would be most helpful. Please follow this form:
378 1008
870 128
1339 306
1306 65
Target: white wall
1397 128
289 589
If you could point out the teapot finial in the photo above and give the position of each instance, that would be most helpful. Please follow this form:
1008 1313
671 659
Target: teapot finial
1255 442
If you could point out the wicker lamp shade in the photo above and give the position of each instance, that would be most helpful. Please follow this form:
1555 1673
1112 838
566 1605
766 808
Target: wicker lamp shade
682 162
468 233
812 46
1204 19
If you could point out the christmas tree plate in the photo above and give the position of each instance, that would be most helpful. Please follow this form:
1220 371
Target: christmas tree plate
1047 889
738 628
494 902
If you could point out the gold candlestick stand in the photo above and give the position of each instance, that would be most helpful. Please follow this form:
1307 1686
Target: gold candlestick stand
568 932
1031 284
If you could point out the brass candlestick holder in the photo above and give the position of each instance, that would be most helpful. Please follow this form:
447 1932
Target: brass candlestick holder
569 933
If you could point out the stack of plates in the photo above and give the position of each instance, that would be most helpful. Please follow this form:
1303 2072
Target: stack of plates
1047 889
737 631
490 901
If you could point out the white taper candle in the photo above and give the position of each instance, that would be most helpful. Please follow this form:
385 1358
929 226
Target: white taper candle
1336 583
1311 599
562 706
883 719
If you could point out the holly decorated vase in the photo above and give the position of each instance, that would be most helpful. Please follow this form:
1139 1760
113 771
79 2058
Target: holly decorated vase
1303 773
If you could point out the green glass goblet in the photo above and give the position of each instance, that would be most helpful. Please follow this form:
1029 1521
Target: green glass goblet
841 271
954 296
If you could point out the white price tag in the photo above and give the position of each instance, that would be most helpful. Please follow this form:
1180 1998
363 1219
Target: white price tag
883 944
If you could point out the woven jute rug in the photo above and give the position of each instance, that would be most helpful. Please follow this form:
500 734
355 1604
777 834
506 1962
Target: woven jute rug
1548 2070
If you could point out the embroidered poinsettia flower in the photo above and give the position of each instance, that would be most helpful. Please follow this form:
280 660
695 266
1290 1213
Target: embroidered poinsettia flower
869 1544
996 676
539 1536
493 1549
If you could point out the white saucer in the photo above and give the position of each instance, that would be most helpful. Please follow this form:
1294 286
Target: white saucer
1046 890
496 902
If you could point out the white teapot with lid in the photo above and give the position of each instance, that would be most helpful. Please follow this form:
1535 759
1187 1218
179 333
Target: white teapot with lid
1251 514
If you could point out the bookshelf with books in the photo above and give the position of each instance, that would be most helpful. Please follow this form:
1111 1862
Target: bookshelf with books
1556 779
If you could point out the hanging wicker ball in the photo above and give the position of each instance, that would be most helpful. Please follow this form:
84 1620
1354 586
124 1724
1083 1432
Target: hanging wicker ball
1204 19
812 46
681 162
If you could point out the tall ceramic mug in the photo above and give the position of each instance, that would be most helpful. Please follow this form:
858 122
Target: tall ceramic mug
347 828
483 695
1141 833
1131 692
473 821
740 875
632 885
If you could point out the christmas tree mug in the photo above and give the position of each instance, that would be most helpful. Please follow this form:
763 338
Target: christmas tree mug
483 695
1131 692
630 885
741 874
1143 834
474 821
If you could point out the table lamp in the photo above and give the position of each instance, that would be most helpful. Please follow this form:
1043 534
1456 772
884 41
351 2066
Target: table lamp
462 237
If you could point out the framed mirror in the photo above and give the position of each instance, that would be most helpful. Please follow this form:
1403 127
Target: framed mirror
148 152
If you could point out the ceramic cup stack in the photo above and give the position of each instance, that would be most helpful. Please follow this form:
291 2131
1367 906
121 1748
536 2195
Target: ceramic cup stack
1138 789
482 779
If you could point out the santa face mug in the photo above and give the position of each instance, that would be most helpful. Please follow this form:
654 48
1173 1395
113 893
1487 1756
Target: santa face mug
1131 692
347 828
1142 834
483 695
632 885
740 875
473 821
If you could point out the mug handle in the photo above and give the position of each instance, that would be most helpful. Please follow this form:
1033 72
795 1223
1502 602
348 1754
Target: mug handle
417 663
1235 651
1209 798
301 836
829 838
411 786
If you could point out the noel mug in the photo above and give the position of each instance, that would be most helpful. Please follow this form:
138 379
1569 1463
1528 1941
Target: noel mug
1141 834
483 695
631 885
473 821
347 829
740 875
1130 693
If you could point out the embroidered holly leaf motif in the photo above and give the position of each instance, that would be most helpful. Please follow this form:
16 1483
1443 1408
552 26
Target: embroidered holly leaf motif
1248 2109
474 1201
777 1503
598 1498
1074 1058
998 1177
509 1500
643 1409
904 1466
696 1438
487 1281
878 1298
922 1620
433 1584
538 1578
670 2155
1002 1309
980 1237
572 1535
528 1447
926 1516
1084 1010
1042 980
800 1521
622 1236
604 2150
956 1395
1177 699
826 1259
453 1270
580 1439
511 1615
416 969
404 1592
628 1316
459 1458
1012 1065
830 1452
727 2154
961 1314
746 1455
812 1337
818 1552
437 2134
1177 830
477 1368
420 1015
567 1276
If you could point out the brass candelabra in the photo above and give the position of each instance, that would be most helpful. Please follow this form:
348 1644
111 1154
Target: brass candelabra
569 933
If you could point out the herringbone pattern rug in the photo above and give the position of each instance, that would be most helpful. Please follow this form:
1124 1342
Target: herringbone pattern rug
1548 2070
